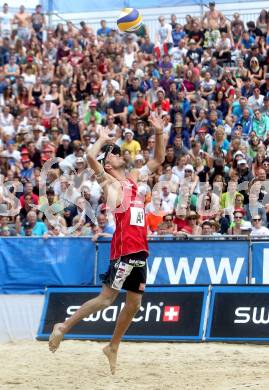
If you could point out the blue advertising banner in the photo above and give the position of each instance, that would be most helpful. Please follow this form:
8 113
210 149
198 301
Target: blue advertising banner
238 313
260 263
34 263
167 314
196 262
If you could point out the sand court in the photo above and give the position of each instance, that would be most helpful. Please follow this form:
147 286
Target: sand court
81 365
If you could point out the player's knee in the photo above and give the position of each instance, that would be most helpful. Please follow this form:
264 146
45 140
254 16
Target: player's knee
105 301
133 307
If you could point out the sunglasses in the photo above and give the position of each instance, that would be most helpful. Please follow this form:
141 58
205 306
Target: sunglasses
256 219
237 217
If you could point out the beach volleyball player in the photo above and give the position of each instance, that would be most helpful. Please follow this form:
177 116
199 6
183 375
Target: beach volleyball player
129 248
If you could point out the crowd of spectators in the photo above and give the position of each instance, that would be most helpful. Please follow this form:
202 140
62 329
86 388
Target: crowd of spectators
209 81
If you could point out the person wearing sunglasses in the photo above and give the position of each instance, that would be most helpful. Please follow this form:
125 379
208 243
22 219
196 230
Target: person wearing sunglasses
257 228
236 225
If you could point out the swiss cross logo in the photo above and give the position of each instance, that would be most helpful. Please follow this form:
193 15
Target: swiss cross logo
171 313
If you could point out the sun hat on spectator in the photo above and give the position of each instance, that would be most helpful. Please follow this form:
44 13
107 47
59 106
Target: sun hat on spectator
48 98
139 157
22 130
188 167
160 89
241 161
54 129
239 153
44 138
93 103
25 159
192 42
66 137
38 128
128 131
239 210
202 130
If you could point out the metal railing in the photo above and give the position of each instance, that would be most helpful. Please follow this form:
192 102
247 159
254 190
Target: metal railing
151 22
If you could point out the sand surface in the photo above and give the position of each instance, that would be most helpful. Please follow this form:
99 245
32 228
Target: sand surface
81 365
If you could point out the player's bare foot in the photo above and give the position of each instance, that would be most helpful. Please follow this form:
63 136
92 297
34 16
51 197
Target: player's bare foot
111 354
56 337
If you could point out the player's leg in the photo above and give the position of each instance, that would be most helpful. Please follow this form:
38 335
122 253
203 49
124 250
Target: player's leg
103 300
132 305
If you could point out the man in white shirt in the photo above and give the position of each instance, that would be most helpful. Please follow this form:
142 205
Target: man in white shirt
164 33
109 80
256 100
11 153
257 228
170 177
178 53
207 87
6 19
168 198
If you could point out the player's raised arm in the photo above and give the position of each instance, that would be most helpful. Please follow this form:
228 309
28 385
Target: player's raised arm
109 184
159 152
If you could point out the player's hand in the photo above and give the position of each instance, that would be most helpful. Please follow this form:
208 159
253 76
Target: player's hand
157 123
104 135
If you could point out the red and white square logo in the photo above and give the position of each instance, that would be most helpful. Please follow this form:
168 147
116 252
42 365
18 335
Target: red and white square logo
171 313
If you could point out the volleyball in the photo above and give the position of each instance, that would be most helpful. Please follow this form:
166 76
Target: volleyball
130 20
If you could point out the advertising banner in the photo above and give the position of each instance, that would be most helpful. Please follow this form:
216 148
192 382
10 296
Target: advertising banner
167 313
185 262
31 264
260 262
239 314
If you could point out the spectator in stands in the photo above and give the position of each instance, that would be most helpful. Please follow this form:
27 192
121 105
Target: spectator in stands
38 228
206 228
208 80
104 229
257 228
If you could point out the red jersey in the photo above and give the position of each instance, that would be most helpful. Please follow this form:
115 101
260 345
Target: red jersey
130 235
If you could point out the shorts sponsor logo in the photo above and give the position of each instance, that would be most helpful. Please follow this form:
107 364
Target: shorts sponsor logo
122 273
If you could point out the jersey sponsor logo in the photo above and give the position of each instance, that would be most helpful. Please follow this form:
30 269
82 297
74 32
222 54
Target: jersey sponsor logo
137 216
